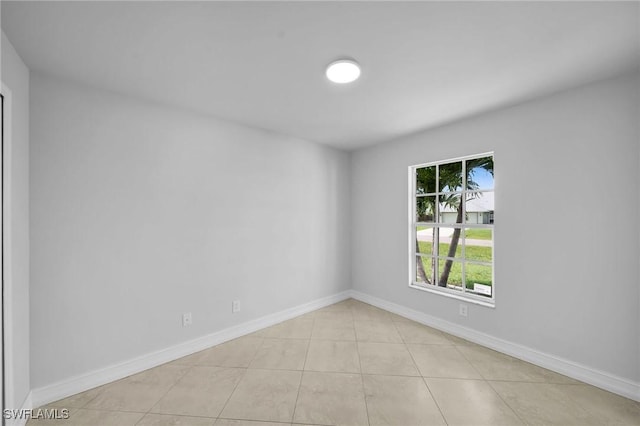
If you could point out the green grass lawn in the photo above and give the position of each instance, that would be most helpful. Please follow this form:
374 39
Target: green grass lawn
472 233
480 274
478 234
482 254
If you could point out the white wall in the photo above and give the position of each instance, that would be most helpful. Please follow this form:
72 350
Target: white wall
141 212
566 234
15 76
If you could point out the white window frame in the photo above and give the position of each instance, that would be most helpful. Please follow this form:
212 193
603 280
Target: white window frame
462 294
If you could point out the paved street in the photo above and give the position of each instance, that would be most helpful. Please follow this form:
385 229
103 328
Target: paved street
445 237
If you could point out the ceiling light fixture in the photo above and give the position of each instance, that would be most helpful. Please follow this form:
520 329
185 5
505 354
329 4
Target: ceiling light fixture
343 71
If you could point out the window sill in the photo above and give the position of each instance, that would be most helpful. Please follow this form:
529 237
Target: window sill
455 295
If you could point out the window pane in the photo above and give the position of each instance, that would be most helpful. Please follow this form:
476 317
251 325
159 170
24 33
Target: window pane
425 208
449 205
479 244
480 173
479 207
479 279
426 180
447 238
424 235
451 177
425 270
450 274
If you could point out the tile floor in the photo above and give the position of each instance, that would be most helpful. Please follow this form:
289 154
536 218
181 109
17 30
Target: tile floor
347 364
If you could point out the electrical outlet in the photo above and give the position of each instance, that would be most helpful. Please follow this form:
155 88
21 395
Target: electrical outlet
463 310
186 319
235 306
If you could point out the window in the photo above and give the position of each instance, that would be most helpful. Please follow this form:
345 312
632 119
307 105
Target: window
451 227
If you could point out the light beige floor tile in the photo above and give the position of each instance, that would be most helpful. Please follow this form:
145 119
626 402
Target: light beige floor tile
79 400
235 353
139 392
458 341
189 385
393 400
412 332
340 306
442 361
370 313
607 408
331 399
398 318
268 395
346 302
345 316
337 311
376 331
333 329
543 404
84 417
297 328
471 402
333 312
493 365
354 303
203 391
329 355
386 358
228 422
188 360
171 420
309 316
281 354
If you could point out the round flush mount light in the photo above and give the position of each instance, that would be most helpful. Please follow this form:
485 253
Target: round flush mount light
343 71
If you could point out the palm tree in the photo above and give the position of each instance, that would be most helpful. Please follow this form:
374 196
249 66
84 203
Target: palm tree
425 212
450 179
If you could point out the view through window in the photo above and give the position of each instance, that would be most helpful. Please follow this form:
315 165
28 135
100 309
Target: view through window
451 232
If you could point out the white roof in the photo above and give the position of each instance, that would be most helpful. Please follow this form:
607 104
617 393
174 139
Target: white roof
482 203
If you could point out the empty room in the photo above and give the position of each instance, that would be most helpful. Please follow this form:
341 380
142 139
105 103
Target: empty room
320 213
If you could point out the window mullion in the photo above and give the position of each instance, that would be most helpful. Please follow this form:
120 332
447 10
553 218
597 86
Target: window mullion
463 205
413 231
435 263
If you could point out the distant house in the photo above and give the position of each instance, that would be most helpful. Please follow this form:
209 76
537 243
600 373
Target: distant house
479 210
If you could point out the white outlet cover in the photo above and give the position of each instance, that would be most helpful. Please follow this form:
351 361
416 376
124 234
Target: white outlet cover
463 310
235 306
186 319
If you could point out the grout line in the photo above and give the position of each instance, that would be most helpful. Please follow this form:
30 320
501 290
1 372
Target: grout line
261 422
111 410
415 364
306 356
469 362
189 368
231 393
347 319
90 400
424 380
505 402
364 392
169 415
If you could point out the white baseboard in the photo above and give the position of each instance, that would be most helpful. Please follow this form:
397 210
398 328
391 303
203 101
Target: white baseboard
601 379
53 392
